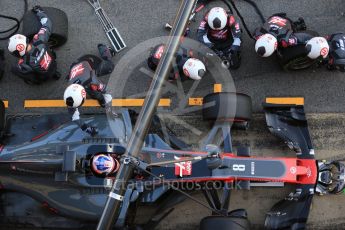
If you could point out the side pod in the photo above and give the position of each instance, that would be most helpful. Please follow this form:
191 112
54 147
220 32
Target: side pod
285 118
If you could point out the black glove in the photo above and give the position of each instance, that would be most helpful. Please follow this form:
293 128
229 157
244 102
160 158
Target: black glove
91 130
37 9
219 53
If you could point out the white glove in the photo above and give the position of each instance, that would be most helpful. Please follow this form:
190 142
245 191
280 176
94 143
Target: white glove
108 98
76 115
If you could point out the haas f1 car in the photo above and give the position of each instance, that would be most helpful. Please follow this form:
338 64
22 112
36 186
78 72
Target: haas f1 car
53 175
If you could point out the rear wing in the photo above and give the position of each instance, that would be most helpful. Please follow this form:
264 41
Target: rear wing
285 118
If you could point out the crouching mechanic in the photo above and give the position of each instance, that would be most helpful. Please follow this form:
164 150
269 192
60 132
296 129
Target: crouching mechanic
37 62
279 31
221 32
187 65
83 79
336 57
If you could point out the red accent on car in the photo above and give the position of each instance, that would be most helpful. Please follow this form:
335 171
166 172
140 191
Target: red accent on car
52 210
310 175
183 168
39 136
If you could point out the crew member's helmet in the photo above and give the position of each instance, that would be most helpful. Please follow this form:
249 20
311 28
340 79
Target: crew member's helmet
17 45
103 164
217 18
74 95
316 47
266 45
194 68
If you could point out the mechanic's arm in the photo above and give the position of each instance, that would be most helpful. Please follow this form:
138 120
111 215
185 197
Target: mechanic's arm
83 126
236 33
47 26
202 34
96 85
294 40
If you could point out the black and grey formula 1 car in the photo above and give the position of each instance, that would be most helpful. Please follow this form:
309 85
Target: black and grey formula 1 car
54 175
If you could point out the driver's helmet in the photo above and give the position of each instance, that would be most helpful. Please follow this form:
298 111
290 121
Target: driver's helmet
74 95
266 45
217 18
155 56
194 69
103 164
316 47
17 45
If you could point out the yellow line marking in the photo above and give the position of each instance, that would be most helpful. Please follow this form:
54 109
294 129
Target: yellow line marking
164 102
217 88
285 100
90 103
195 101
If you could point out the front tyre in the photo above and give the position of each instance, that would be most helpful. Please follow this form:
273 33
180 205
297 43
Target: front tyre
31 26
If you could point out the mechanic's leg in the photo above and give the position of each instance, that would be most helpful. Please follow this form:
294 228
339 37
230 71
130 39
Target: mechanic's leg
232 54
104 68
106 52
93 60
28 78
233 57
54 74
101 66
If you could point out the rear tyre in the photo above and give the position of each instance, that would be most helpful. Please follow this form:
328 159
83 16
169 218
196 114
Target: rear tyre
224 223
31 26
227 106
295 57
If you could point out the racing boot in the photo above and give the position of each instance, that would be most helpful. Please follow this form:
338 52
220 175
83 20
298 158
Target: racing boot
57 75
106 52
299 25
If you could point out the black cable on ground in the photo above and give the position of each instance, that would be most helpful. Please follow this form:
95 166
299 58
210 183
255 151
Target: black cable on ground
14 28
228 5
257 10
242 19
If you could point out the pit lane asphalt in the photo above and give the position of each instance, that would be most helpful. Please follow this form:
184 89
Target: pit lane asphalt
139 20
